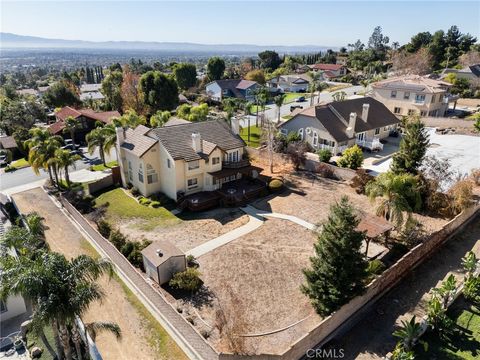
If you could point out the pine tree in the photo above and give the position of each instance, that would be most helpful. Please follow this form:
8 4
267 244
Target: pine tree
338 269
413 148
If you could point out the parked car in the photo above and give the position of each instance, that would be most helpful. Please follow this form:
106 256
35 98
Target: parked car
300 99
3 159
293 107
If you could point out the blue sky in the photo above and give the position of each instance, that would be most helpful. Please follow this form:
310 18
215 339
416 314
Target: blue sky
231 22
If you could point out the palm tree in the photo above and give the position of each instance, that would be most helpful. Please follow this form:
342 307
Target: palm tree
35 224
409 333
315 76
96 327
398 195
247 108
71 125
60 289
66 159
279 99
320 87
102 138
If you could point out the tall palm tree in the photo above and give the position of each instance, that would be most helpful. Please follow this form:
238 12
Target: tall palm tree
278 100
61 290
398 194
247 108
96 327
65 160
320 87
315 76
71 124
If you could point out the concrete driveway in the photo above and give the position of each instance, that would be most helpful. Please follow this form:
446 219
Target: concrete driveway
463 151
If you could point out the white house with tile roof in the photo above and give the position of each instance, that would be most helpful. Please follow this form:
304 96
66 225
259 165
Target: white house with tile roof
182 159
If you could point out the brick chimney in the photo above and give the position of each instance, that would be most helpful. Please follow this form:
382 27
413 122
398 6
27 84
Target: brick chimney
365 109
196 142
351 125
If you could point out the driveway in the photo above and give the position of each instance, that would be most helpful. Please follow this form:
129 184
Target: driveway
462 151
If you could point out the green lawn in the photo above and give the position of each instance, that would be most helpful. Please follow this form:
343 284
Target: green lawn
33 340
255 135
463 342
101 167
260 109
123 207
290 97
17 164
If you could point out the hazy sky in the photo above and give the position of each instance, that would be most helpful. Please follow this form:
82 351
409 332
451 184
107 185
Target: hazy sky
228 22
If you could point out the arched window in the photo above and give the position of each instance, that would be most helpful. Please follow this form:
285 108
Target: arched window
152 176
315 139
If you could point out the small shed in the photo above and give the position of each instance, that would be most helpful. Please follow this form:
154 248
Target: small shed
162 260
374 226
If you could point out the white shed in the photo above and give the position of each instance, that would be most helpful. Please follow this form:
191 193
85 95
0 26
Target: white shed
162 260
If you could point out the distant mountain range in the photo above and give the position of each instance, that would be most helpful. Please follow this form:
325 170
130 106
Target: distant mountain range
9 40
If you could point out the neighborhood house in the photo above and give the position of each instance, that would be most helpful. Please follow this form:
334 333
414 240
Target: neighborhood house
410 95
339 125
241 89
330 71
290 83
182 159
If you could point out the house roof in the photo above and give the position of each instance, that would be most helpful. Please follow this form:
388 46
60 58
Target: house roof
65 112
27 92
159 252
413 83
324 67
374 226
94 95
177 139
334 117
291 79
176 121
234 85
245 84
136 140
104 116
90 87
8 142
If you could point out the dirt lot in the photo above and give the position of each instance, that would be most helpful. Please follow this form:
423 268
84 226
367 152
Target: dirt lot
311 201
194 230
256 280
63 237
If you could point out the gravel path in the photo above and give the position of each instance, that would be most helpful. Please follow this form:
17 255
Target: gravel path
371 338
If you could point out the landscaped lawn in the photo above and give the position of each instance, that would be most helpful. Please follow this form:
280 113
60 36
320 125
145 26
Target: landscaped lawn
17 164
101 167
463 342
255 135
290 97
123 207
33 340
260 109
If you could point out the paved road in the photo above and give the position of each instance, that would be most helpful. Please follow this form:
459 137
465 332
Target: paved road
372 337
26 175
272 113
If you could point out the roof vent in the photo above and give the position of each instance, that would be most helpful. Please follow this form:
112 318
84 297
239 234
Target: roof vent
159 253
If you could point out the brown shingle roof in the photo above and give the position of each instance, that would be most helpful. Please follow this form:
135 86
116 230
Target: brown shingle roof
57 127
137 142
164 248
332 67
67 111
177 139
176 121
8 142
105 116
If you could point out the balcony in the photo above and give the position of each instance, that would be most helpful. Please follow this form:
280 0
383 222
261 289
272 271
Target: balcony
373 144
235 164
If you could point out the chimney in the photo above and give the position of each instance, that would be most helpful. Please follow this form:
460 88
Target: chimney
197 142
235 125
351 125
365 109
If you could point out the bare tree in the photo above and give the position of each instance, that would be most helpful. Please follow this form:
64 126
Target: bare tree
416 63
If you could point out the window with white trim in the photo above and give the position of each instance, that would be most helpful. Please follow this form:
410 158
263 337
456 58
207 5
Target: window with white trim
397 110
192 165
192 183
300 132
406 95
315 139
377 131
215 160
411 112
140 173
393 94
152 176
130 171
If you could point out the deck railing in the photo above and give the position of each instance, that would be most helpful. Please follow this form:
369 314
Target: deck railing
235 164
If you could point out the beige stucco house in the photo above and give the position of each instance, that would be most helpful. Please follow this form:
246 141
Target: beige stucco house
339 125
409 95
183 159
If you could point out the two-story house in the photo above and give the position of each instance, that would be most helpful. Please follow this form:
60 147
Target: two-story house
339 125
290 83
237 88
183 159
87 119
330 71
410 95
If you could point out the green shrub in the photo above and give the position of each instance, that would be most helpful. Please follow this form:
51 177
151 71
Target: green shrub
117 239
144 201
155 204
135 191
104 228
471 289
293 137
324 155
132 250
188 280
352 158
10 168
375 267
360 181
275 184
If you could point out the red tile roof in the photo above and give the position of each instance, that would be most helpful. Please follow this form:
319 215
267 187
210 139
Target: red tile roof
57 127
105 117
324 67
62 114
67 111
